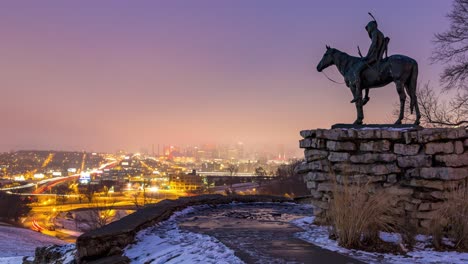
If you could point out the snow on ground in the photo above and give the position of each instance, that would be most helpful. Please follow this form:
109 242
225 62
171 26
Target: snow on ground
11 260
18 242
22 242
166 243
318 235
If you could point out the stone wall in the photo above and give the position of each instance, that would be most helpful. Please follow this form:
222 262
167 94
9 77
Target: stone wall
105 245
418 166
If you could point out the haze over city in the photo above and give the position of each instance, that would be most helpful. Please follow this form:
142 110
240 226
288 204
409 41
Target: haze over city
107 76
245 131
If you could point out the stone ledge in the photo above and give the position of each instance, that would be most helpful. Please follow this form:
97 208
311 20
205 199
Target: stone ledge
100 243
377 126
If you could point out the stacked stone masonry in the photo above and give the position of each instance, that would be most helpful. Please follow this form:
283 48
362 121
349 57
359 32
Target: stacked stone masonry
418 166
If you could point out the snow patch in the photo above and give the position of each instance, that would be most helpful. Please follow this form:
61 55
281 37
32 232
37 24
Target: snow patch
23 242
11 260
166 243
318 235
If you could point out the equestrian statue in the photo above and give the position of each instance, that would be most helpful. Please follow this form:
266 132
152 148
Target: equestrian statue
374 71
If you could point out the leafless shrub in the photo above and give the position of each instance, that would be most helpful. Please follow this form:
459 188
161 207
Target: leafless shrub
357 214
102 213
451 221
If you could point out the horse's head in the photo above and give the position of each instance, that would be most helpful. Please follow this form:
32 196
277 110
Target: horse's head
326 60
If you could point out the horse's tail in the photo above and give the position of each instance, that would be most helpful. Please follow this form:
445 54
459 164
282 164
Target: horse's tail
411 86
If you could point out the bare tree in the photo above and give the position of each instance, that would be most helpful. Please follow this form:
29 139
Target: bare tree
452 48
261 174
232 169
101 214
287 170
135 195
89 192
436 112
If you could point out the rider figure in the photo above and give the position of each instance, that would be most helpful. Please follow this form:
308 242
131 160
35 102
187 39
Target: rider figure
374 55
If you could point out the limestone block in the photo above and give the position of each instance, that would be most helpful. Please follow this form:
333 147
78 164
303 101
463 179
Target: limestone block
366 134
325 187
375 146
459 148
373 157
430 206
319 165
316 143
444 173
340 146
381 169
415 161
425 215
374 169
359 179
410 137
391 134
437 195
302 168
316 194
308 133
465 142
315 154
319 133
399 191
316 176
434 134
412 173
410 207
376 178
392 178
338 156
433 148
334 134
403 149
437 185
429 196
326 197
352 133
453 160
311 185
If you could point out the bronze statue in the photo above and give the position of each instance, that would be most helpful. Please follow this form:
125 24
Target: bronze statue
376 51
373 71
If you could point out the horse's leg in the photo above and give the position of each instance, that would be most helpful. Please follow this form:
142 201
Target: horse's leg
401 93
360 112
366 97
354 90
416 107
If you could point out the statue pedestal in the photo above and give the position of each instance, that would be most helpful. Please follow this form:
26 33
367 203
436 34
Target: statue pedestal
376 126
403 160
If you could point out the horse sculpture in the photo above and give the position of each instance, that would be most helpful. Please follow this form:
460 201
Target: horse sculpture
400 69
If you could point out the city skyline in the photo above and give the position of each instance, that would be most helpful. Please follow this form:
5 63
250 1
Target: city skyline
102 77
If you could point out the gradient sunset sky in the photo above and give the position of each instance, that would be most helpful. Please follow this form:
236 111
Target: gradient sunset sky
108 75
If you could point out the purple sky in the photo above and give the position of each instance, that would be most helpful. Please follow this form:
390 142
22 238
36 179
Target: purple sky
128 74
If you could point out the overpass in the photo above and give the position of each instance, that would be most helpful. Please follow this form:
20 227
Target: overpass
225 173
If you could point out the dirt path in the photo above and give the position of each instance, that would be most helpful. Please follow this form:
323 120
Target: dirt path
261 233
